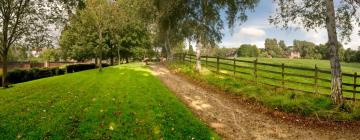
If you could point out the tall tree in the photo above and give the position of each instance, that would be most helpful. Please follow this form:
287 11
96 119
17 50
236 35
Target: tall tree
282 45
273 48
248 50
19 19
313 14
99 11
207 24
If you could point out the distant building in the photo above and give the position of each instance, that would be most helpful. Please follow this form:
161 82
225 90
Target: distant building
294 55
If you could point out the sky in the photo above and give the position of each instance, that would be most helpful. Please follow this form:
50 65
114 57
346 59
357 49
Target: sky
257 28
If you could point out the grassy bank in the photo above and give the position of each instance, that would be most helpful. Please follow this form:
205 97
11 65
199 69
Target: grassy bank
122 102
288 101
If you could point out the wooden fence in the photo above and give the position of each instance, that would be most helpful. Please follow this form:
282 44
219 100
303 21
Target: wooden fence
234 66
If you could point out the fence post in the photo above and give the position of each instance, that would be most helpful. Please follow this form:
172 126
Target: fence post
255 69
354 87
190 58
234 65
206 61
316 80
217 64
283 75
184 56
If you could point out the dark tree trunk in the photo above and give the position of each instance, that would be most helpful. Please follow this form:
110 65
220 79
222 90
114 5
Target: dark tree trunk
96 61
119 57
100 50
5 84
4 51
111 60
336 81
112 55
127 59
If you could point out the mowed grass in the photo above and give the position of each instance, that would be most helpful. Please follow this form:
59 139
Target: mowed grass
323 88
300 103
122 102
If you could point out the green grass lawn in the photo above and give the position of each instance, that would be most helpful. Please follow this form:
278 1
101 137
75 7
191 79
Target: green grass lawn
122 102
306 63
285 100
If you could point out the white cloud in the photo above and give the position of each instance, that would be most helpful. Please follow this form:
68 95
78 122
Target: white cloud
355 39
246 35
252 32
318 37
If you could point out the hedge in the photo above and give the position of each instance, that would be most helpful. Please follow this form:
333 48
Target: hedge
18 76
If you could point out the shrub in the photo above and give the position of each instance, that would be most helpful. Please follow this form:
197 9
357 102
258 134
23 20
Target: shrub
61 71
82 67
79 67
18 76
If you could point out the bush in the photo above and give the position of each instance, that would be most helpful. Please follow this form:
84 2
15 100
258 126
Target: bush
79 67
18 76
82 67
61 71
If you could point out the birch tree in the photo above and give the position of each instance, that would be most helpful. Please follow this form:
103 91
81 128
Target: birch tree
337 18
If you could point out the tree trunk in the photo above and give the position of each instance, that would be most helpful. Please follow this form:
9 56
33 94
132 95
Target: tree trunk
336 81
96 60
167 46
100 50
111 60
119 57
4 52
5 84
198 55
127 59
189 46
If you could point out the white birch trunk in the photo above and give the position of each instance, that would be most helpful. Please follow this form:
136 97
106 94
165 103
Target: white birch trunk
336 81
198 55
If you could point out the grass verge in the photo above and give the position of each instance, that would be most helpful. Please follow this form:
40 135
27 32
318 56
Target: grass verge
122 102
284 100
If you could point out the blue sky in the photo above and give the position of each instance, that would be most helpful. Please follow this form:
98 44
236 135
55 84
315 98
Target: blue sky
257 28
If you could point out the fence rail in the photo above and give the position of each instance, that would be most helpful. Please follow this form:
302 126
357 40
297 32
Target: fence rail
284 72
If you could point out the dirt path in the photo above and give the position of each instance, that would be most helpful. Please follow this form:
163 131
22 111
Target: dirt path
236 121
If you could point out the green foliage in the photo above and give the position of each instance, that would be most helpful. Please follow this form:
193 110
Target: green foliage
306 49
273 48
92 105
18 53
247 50
197 20
50 54
312 15
115 29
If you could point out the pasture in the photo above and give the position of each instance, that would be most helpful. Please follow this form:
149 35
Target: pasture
311 76
121 102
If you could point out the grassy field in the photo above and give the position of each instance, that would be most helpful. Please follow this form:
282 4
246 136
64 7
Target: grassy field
305 63
309 63
285 100
122 102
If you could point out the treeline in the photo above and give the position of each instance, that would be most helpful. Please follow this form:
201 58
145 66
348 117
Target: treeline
278 49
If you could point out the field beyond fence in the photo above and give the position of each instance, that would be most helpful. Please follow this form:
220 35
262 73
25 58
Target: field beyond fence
309 80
